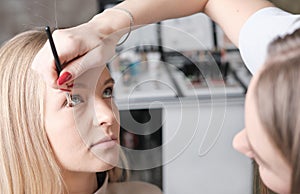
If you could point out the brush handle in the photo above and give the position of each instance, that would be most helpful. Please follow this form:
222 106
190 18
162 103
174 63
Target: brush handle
57 62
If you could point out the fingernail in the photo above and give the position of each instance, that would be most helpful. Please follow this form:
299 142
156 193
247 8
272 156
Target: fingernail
64 78
65 90
70 86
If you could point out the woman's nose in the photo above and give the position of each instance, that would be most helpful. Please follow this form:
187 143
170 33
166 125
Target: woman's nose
104 114
241 144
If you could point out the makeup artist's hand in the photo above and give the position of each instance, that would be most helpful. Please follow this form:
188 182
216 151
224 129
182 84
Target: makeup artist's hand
79 48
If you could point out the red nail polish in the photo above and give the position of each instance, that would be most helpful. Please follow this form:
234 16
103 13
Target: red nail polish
65 90
70 86
64 78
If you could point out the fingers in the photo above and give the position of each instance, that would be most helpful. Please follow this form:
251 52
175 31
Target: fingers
76 52
66 87
68 45
95 58
71 71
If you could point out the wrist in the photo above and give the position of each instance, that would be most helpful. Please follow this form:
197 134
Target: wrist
111 22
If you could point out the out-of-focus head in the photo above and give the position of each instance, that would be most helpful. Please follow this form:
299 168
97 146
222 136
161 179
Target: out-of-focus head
278 96
272 118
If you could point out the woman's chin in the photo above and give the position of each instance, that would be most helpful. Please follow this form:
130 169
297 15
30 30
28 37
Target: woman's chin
107 159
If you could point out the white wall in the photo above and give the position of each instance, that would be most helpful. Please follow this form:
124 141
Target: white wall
187 169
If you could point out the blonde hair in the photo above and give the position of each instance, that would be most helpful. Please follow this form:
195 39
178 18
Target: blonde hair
27 163
278 97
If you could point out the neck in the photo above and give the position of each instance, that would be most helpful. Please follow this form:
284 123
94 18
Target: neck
80 182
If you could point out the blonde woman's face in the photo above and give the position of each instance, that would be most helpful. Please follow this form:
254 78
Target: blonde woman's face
254 142
85 137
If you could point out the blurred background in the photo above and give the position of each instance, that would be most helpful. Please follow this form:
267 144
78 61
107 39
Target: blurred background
180 87
19 15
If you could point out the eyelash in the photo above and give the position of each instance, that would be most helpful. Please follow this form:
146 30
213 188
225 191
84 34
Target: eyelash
73 97
110 89
110 95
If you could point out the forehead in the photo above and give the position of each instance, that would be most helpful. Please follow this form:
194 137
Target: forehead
253 123
92 76
256 133
250 103
254 127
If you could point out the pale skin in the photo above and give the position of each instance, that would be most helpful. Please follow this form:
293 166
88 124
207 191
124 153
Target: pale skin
107 28
254 142
73 138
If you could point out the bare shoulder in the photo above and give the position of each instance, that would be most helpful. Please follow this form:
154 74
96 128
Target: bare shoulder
135 187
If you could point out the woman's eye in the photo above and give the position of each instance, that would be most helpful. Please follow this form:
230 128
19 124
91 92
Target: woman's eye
74 100
108 93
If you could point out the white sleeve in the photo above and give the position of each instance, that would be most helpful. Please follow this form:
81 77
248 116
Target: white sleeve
260 29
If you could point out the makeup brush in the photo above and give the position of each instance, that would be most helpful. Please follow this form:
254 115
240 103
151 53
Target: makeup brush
57 62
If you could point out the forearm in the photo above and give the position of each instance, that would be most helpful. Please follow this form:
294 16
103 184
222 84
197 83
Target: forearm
150 11
229 14
232 14
146 12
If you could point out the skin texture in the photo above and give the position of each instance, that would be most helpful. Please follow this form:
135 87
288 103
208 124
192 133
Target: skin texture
231 15
74 132
71 142
254 142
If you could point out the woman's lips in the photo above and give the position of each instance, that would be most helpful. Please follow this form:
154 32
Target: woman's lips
106 142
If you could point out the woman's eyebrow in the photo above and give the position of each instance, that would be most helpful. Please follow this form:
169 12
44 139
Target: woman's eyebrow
110 80
79 85
84 86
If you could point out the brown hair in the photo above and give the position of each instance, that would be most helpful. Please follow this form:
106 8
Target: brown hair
258 185
278 97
